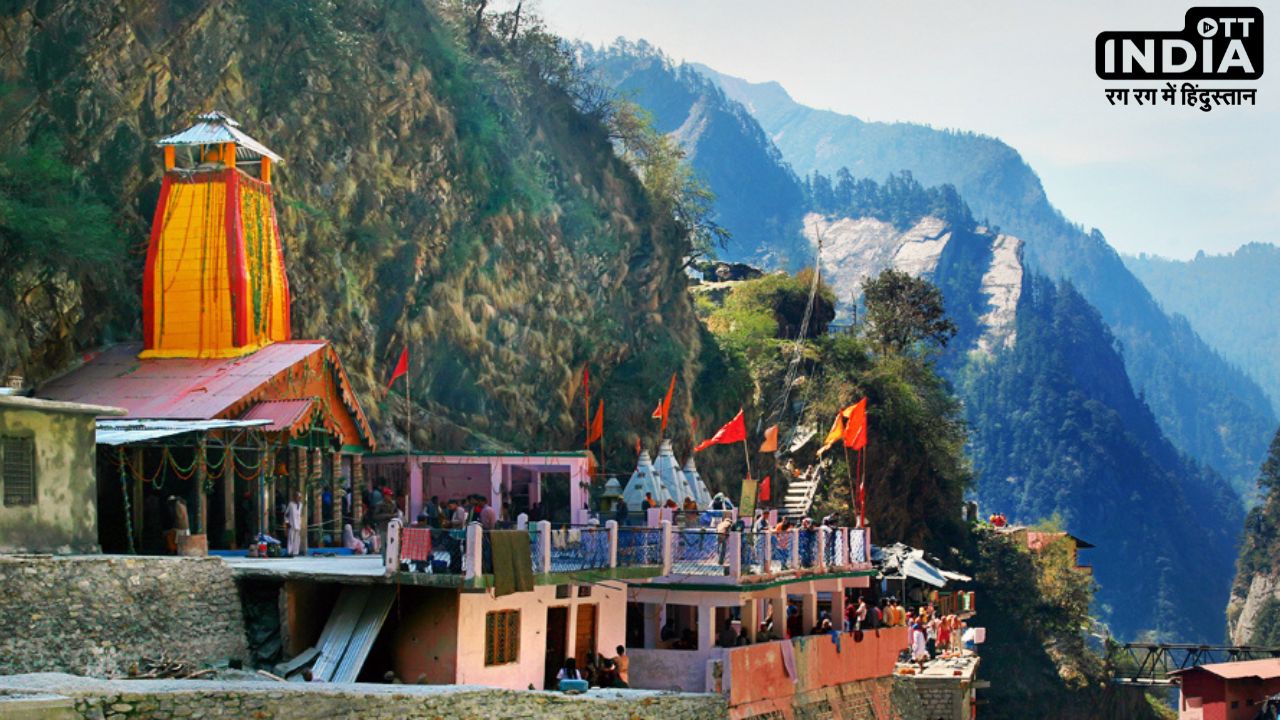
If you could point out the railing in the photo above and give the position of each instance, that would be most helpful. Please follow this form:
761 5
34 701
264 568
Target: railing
699 552
674 551
639 546
577 549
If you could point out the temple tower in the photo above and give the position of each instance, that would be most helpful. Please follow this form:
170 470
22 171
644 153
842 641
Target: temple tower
215 283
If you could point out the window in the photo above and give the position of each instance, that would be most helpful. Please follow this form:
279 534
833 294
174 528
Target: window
18 470
584 591
501 637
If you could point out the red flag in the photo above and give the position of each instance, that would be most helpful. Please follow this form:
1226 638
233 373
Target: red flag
855 430
637 447
763 491
734 431
770 443
597 425
402 367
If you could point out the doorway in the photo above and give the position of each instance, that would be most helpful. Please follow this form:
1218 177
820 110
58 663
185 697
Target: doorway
557 644
555 498
584 636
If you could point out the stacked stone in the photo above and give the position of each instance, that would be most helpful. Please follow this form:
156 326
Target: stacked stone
101 615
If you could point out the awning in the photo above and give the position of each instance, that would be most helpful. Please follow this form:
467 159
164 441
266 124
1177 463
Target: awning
128 432
282 415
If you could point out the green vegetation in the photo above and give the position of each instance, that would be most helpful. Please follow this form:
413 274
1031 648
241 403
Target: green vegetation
905 314
900 199
1260 550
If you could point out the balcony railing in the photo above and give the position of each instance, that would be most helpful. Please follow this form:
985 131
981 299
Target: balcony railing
667 550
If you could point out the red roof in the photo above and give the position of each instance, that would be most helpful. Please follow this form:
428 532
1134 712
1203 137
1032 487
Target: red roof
175 388
1038 540
1268 669
284 415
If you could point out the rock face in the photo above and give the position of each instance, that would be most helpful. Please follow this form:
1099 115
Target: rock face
1244 612
855 249
99 615
437 192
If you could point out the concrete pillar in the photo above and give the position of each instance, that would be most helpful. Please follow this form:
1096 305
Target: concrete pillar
666 547
734 554
391 551
795 547
544 534
229 539
751 617
266 490
202 474
839 603
652 624
335 493
522 523
824 537
706 627
317 506
357 490
611 526
778 606
475 539
298 484
571 639
808 608
766 562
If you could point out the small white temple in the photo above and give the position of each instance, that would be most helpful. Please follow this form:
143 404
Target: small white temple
672 477
642 481
701 495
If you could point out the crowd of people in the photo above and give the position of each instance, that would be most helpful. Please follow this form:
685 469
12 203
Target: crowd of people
598 670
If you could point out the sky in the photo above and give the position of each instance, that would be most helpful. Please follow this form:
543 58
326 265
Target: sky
1168 181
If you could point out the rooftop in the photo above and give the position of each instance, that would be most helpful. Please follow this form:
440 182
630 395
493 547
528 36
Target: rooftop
1268 669
22 402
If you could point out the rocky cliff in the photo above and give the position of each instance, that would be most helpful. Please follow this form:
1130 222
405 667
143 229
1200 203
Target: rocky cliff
1253 613
441 190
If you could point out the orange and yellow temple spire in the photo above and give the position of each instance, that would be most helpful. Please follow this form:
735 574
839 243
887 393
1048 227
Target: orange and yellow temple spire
215 283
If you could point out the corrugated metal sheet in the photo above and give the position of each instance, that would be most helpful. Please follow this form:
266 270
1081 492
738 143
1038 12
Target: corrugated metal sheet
175 388
216 128
1268 669
367 629
281 415
336 635
127 432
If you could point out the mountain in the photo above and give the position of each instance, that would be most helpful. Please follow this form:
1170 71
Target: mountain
1207 407
1253 614
441 190
758 197
1056 428
1228 300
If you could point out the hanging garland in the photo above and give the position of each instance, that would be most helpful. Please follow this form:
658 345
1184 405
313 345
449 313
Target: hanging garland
124 492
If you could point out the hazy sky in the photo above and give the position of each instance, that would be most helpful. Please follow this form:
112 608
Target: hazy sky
1164 180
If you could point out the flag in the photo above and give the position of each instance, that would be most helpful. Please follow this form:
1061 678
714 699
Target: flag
733 431
836 432
763 492
855 429
597 425
402 367
770 443
663 411
637 447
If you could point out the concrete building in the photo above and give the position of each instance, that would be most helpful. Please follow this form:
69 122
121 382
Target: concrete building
50 486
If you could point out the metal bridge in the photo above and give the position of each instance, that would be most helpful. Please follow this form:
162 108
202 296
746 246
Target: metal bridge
1149 664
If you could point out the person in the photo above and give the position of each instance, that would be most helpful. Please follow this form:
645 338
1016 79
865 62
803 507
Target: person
608 675
423 520
919 648
944 634
487 516
535 512
687 641
850 616
669 632
350 542
760 523
372 542
181 522
623 665
860 615
505 518
590 670
433 511
649 502
569 671
795 627
620 512
293 524
670 504
727 638
717 502
722 531
457 515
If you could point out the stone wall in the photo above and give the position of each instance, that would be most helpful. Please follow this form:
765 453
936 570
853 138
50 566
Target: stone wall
943 699
100 615
129 699
886 698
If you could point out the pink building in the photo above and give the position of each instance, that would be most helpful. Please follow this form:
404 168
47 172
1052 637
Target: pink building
1227 691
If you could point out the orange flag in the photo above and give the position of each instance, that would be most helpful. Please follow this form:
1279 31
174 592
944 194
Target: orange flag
597 425
855 429
663 411
770 443
834 435
402 367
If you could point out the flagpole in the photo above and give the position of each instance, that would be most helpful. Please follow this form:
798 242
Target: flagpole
853 490
408 424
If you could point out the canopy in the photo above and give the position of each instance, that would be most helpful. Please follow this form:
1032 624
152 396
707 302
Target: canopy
128 432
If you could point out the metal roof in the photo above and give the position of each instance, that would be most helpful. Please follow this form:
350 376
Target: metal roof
281 415
1268 669
215 128
128 432
175 388
22 402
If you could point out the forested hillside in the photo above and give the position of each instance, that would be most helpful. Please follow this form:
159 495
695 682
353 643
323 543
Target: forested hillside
443 189
1229 300
1253 615
758 198
1208 408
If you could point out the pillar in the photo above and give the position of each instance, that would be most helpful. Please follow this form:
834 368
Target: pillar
317 507
611 526
298 482
229 497
839 603
544 535
137 493
335 493
666 547
778 608
357 490
652 624
472 565
706 627
202 474
808 608
751 617
266 491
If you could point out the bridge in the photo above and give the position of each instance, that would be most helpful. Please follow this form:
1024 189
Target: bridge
1149 664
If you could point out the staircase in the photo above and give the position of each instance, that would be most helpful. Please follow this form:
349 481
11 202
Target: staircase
800 492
